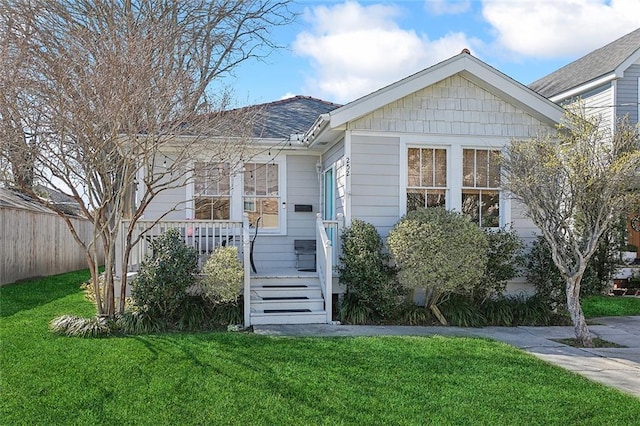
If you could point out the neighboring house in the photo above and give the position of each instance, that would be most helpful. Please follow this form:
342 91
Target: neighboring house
431 139
607 81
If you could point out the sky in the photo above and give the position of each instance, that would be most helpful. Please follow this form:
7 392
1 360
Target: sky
339 51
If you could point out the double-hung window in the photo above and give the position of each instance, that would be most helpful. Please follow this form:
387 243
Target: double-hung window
262 195
427 177
212 191
481 186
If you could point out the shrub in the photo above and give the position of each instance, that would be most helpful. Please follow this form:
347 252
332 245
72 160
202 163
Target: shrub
354 310
223 275
504 262
160 287
543 274
364 271
439 250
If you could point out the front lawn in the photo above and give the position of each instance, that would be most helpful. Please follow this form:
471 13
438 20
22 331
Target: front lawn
610 306
235 378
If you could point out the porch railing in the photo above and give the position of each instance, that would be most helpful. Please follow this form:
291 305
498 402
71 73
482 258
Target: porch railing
203 235
324 265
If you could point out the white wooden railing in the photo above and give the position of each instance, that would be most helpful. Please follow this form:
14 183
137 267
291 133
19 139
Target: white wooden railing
203 235
246 260
324 265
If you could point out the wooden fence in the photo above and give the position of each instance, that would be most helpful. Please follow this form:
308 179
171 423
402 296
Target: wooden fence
36 243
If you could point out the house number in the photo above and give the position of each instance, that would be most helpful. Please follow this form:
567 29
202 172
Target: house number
347 166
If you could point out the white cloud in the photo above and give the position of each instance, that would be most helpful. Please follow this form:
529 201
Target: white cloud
556 28
357 49
287 95
448 7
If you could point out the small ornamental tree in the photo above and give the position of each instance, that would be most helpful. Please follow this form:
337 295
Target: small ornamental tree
364 270
574 185
439 250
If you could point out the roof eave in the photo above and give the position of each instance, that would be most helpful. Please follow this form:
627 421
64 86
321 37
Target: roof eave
577 90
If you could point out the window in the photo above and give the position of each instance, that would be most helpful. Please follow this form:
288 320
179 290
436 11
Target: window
427 177
261 195
212 191
480 186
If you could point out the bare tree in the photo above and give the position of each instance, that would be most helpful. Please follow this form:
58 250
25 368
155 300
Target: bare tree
574 185
125 96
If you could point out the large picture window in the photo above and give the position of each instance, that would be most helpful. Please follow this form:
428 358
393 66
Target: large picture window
427 177
212 191
262 195
481 186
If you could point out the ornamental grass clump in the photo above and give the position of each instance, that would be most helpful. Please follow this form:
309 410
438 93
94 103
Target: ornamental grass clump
439 250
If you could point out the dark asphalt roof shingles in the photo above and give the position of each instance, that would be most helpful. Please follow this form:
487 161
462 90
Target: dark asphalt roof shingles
596 64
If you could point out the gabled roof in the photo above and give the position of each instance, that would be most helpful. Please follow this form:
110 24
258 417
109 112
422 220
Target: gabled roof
328 125
283 118
610 60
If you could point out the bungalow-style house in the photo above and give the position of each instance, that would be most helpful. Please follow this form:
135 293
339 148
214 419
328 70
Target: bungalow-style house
607 82
430 139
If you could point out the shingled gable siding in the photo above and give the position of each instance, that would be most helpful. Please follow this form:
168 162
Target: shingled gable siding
454 105
335 157
375 179
627 93
303 187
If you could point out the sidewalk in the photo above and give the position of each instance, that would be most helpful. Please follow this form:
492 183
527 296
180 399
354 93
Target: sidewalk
615 367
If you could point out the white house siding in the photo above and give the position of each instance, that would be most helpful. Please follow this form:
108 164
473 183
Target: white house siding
303 187
375 179
599 103
172 201
453 106
335 157
627 93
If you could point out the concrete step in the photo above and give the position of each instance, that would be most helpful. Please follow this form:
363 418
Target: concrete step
286 291
310 304
319 317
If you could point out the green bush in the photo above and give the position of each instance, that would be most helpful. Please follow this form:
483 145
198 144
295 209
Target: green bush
439 250
160 287
364 271
543 274
504 262
223 276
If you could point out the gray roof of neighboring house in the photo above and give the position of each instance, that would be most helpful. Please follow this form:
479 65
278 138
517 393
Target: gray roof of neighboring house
13 198
285 117
596 64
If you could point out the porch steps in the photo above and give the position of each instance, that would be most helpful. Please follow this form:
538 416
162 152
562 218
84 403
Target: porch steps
287 300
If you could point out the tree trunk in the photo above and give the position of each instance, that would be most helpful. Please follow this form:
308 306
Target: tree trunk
575 311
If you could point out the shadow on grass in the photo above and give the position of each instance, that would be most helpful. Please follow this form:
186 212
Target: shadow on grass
29 294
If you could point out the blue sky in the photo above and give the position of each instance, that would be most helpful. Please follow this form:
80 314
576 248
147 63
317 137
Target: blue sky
341 50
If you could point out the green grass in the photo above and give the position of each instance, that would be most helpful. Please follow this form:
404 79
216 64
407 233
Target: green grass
235 378
610 306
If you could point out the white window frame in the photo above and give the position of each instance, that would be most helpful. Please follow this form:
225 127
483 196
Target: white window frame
282 195
454 145
405 178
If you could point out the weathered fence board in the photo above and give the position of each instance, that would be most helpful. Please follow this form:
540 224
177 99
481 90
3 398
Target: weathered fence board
34 243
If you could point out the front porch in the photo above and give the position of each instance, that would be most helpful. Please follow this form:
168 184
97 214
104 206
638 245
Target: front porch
277 295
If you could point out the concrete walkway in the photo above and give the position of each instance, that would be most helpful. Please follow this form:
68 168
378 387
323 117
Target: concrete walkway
615 367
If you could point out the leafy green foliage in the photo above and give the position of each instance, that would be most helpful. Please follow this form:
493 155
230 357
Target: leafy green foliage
223 275
504 261
364 271
545 276
160 287
503 311
439 249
